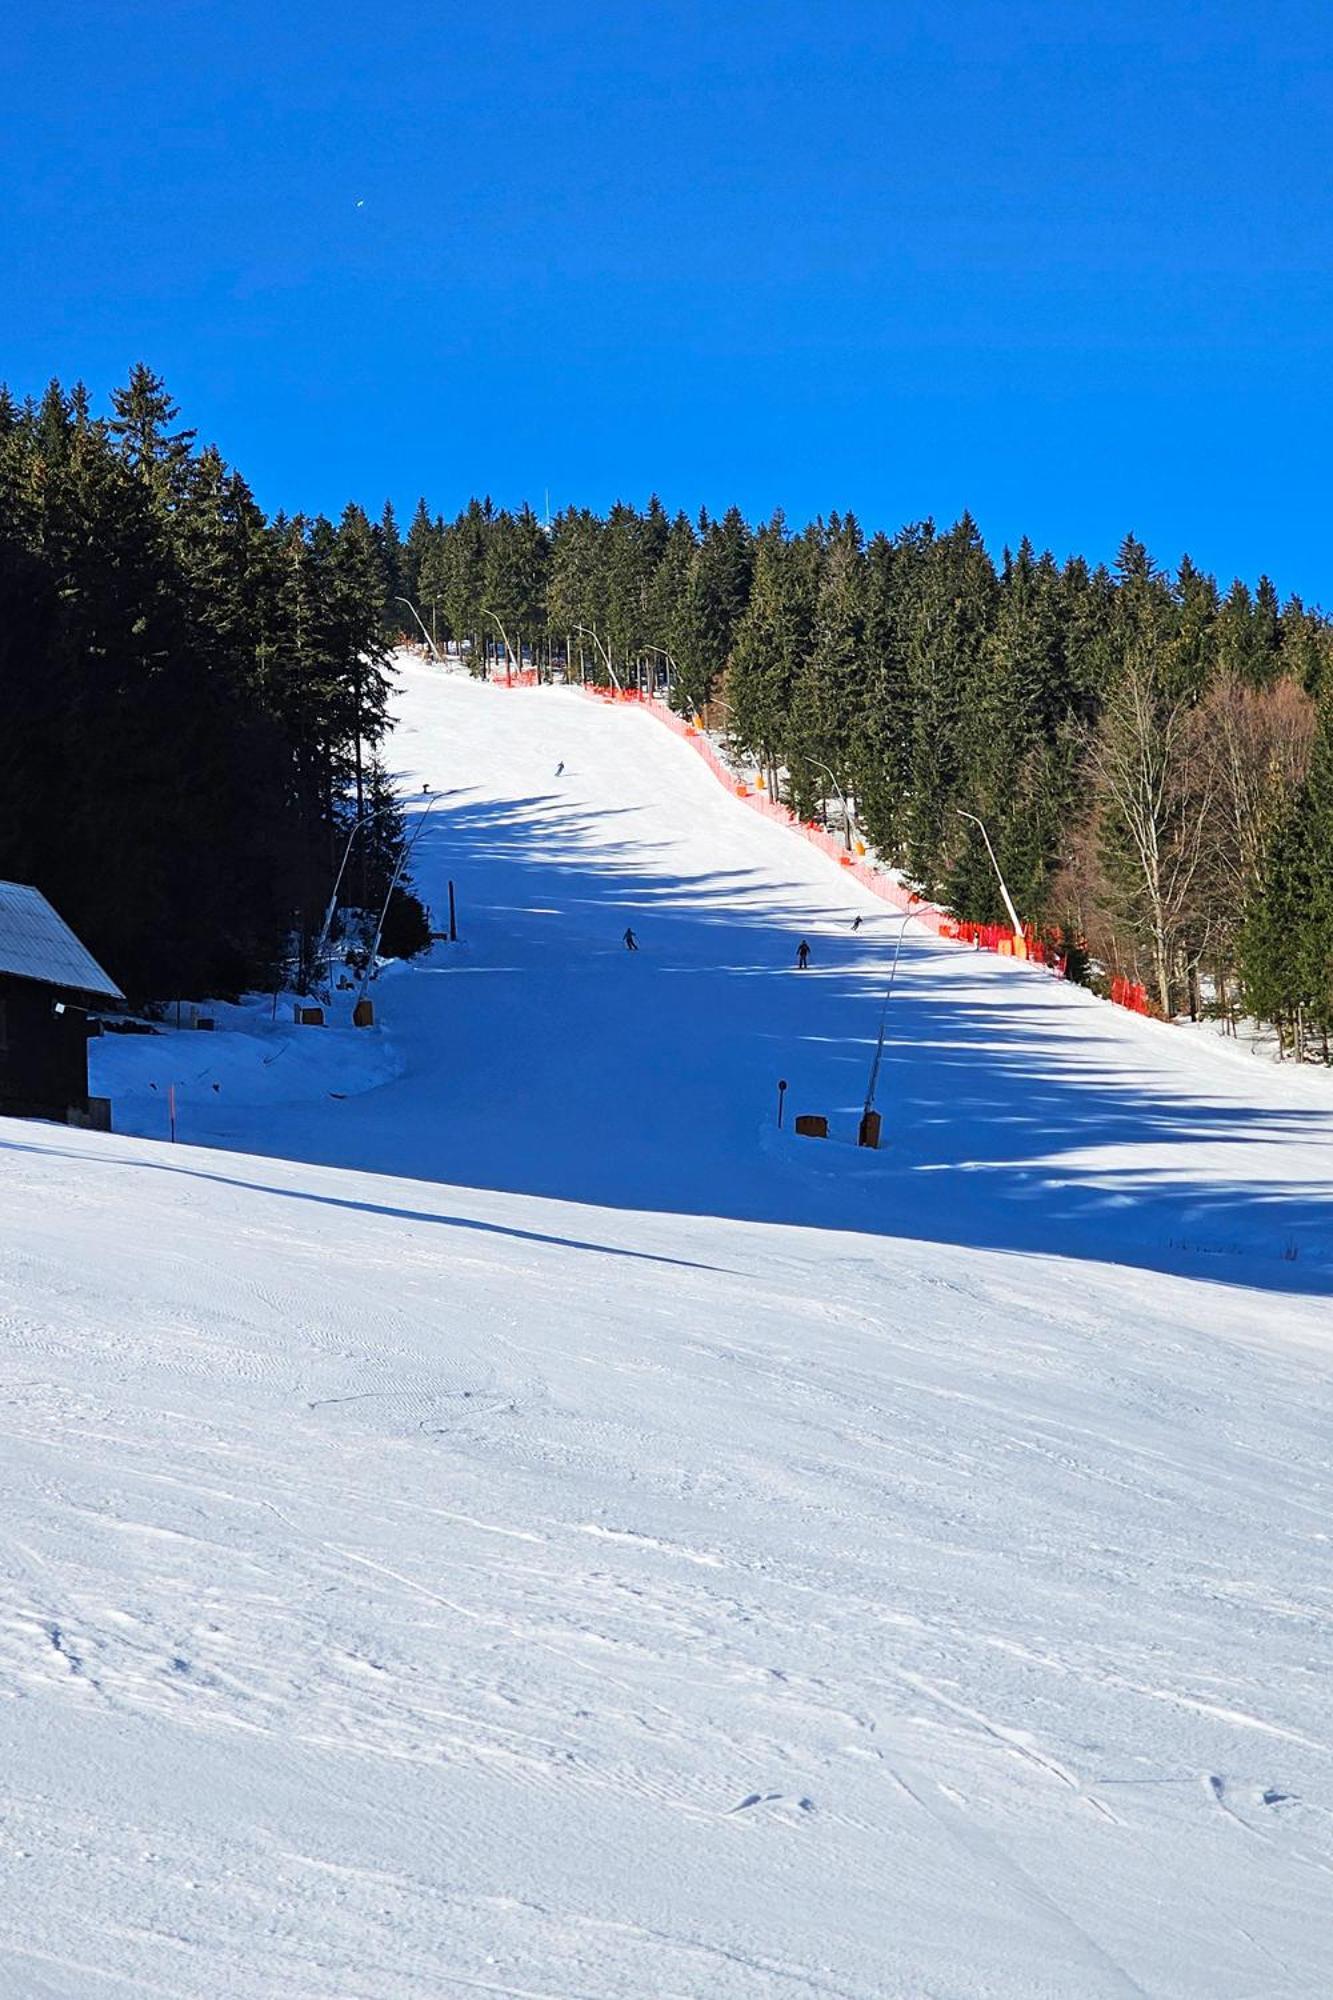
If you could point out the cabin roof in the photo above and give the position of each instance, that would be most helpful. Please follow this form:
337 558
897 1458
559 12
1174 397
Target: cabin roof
36 943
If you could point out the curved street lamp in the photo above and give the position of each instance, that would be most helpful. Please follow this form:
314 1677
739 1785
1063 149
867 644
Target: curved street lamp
509 651
422 623
842 800
672 668
605 653
366 819
1015 925
403 859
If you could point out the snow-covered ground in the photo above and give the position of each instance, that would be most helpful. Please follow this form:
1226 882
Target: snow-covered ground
610 1548
255 1060
539 1056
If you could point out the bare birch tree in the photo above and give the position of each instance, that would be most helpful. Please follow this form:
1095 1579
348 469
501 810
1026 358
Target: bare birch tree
1154 800
1253 747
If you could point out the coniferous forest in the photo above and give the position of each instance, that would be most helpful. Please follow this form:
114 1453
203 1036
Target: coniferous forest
192 698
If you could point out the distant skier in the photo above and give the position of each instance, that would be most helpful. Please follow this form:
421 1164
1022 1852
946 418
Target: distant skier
560 768
631 942
802 955
856 923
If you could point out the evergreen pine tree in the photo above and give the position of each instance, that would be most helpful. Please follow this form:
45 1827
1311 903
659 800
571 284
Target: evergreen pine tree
951 618
826 699
389 545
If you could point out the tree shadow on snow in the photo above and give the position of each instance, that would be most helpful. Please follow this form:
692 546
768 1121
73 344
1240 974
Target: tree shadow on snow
1019 1114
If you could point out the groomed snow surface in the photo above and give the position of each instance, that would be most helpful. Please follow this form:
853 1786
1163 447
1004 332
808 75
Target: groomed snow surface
541 1532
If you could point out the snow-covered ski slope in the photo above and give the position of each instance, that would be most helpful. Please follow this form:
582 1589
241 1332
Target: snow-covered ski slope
672 1561
539 1056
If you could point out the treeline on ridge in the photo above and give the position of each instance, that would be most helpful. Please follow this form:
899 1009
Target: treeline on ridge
193 696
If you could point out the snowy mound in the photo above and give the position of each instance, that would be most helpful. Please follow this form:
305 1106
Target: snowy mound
254 1059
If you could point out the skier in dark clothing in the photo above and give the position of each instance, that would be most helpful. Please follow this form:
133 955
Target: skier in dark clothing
856 923
631 942
802 955
560 768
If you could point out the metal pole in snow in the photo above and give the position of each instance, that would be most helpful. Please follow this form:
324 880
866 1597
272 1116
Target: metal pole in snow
398 872
883 1019
325 929
672 668
422 624
509 652
453 917
1008 899
171 1110
605 653
842 800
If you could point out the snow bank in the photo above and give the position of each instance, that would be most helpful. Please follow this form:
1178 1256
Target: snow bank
255 1059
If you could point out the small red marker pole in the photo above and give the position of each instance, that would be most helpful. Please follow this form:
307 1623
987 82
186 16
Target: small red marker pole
782 1091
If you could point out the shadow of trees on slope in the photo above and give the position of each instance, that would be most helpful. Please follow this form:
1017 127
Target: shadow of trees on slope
545 1059
992 1109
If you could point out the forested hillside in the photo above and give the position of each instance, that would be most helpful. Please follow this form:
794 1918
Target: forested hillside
1152 755
190 694
193 696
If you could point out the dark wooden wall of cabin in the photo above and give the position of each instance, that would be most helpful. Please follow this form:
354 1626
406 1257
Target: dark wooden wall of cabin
43 1055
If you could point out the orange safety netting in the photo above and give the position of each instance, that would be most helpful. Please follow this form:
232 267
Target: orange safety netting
1129 993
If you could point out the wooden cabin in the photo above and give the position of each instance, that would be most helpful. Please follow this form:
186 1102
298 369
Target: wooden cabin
48 984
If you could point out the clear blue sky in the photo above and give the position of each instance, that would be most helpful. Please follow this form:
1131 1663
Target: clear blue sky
1067 265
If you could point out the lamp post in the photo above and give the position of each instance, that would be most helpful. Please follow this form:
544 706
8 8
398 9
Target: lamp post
398 872
1014 923
588 633
509 651
842 800
366 819
868 1113
672 668
422 623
